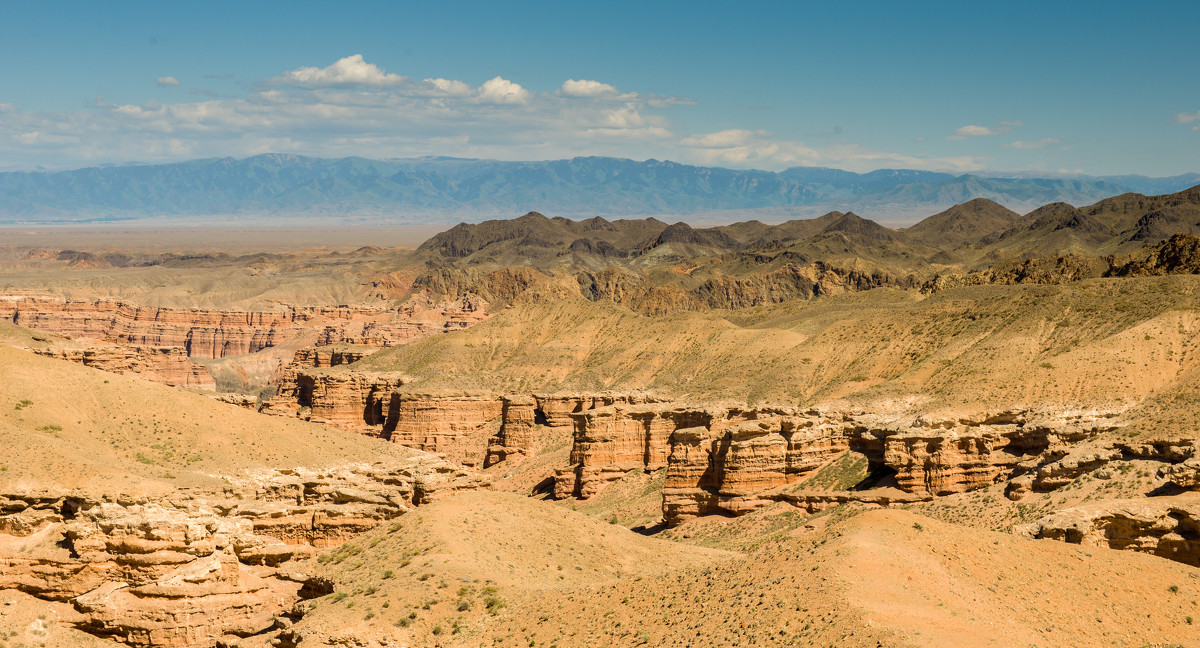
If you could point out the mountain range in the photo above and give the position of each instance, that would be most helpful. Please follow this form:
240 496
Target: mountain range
268 188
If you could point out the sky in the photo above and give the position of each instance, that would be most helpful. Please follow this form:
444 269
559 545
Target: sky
1101 88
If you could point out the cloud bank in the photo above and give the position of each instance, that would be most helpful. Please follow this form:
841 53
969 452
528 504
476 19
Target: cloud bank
356 107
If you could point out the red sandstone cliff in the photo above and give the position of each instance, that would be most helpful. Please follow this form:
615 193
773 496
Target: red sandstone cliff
217 333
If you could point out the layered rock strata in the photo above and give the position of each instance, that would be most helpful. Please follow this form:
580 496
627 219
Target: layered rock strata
1184 475
730 461
218 333
167 365
320 357
1163 526
613 440
522 414
192 568
474 429
455 425
955 456
351 400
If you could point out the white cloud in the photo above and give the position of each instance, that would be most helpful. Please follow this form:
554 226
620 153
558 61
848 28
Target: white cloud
741 147
348 71
502 91
585 88
722 139
971 130
1034 144
1188 118
448 87
167 81
974 130
354 107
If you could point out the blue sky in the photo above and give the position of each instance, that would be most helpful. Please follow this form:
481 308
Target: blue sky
1092 87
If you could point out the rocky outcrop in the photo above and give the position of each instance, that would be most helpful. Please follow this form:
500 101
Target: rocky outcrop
189 569
954 456
612 440
419 317
456 425
1184 475
320 357
196 604
1163 526
167 365
351 400
218 333
523 414
732 461
742 460
1054 473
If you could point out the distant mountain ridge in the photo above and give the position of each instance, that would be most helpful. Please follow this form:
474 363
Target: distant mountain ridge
270 187
979 230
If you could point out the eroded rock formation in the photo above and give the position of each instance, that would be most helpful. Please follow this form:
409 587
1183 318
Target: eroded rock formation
352 400
456 425
954 456
1163 526
167 365
218 333
730 461
192 568
553 412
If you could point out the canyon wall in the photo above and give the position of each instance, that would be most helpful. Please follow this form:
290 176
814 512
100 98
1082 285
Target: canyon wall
523 413
455 425
167 365
730 461
218 333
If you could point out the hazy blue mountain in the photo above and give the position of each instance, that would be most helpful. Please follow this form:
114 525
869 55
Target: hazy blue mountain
274 186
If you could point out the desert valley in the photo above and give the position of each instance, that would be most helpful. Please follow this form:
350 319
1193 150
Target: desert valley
593 325
982 429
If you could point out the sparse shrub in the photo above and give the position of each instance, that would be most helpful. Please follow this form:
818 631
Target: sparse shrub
918 526
22 404
437 630
389 574
494 604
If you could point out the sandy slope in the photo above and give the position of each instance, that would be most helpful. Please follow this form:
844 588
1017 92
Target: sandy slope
69 427
849 578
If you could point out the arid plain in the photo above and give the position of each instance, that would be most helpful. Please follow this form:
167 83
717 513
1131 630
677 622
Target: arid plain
980 430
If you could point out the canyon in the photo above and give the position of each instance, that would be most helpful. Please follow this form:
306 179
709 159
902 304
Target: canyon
731 461
780 398
214 334
157 343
